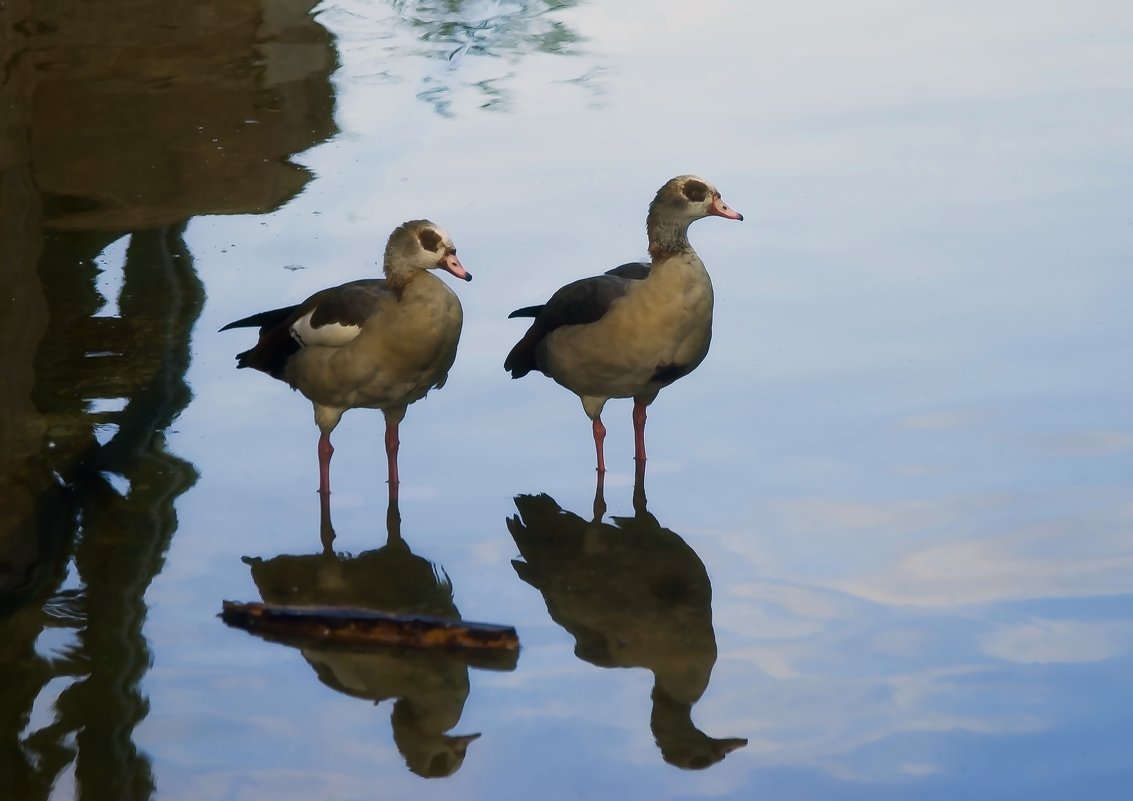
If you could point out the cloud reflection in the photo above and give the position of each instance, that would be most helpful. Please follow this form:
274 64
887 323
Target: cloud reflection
1044 640
945 552
889 628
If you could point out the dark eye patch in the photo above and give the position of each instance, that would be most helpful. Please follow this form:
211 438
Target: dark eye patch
430 240
695 191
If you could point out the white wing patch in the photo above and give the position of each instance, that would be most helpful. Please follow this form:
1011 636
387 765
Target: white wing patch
333 335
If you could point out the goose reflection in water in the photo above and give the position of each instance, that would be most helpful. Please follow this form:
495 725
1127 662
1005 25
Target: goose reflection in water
430 688
633 594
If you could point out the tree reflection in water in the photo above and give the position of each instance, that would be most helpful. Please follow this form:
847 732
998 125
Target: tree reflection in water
103 513
632 594
122 120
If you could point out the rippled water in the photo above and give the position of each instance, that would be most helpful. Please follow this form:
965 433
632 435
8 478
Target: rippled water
883 549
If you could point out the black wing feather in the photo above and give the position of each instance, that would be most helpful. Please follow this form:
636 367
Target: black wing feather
634 270
578 303
264 319
527 311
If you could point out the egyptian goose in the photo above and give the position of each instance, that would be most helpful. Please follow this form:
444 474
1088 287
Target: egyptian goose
376 343
638 327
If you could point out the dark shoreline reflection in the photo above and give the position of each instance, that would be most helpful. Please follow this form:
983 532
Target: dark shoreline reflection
101 505
632 594
122 120
428 688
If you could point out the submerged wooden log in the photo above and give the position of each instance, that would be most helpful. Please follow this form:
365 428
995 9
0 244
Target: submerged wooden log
354 626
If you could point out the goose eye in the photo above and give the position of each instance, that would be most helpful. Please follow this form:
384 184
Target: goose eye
695 191
430 240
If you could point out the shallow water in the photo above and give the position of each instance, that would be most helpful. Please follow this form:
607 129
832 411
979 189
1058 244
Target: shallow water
884 537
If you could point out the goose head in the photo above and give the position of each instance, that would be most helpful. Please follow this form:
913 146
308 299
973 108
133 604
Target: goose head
420 245
689 198
679 203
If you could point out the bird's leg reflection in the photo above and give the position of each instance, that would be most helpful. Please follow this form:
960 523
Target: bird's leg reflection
393 522
639 502
326 525
600 497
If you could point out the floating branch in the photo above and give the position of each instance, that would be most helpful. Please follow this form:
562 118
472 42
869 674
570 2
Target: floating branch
343 625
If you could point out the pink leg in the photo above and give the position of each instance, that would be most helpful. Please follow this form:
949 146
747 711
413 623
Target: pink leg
639 430
391 455
325 452
599 438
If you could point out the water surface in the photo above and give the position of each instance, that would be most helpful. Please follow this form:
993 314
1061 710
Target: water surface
882 549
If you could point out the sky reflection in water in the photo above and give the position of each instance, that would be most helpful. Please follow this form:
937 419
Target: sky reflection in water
901 475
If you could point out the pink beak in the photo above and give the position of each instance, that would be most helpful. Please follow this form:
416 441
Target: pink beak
451 263
720 209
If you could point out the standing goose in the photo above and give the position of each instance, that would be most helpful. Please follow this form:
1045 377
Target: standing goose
379 343
638 327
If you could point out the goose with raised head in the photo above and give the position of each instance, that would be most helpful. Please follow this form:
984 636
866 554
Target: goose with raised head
378 343
635 329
